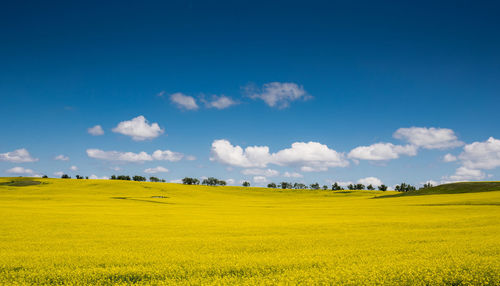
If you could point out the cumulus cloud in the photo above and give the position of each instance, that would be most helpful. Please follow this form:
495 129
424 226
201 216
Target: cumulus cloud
119 156
370 181
167 155
253 156
259 179
20 170
59 173
230 181
481 155
428 138
94 177
61 158
449 158
278 94
73 168
183 101
17 156
190 158
155 170
176 181
381 151
116 156
464 174
220 102
139 129
96 130
310 156
261 172
292 175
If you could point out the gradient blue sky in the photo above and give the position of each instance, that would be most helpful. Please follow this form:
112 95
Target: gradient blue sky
368 68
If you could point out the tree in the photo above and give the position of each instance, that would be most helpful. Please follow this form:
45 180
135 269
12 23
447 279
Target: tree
79 177
86 177
382 188
247 184
370 187
45 176
65 176
286 185
427 185
113 177
403 187
325 187
336 187
211 181
139 178
154 179
190 181
299 186
314 186
123 177
351 187
359 187
271 185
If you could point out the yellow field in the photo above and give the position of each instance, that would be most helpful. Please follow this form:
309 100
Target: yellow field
113 232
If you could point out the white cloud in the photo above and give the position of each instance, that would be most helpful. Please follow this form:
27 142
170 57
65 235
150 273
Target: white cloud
449 158
292 175
73 168
381 151
59 174
115 168
230 181
253 156
139 129
428 138
167 155
261 172
184 101
17 156
190 158
370 181
61 158
94 177
311 156
116 156
277 94
20 170
176 181
259 179
119 156
220 102
481 155
155 170
96 130
464 174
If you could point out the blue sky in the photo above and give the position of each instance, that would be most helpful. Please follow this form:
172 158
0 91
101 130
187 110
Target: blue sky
340 75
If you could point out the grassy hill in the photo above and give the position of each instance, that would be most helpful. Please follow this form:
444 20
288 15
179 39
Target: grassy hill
455 188
95 232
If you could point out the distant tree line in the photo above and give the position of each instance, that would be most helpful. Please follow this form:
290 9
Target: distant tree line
211 181
136 178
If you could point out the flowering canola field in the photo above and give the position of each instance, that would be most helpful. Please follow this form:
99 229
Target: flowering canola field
99 232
